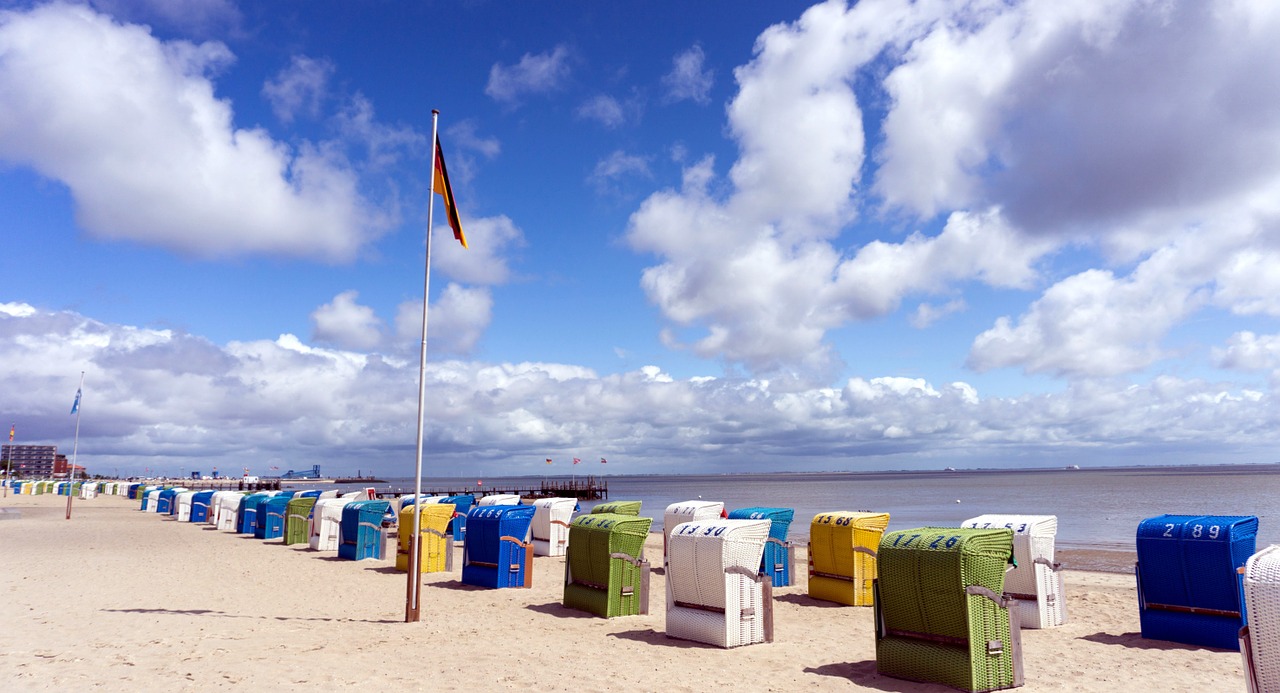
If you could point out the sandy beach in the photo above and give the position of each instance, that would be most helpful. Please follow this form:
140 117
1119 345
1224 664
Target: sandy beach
116 599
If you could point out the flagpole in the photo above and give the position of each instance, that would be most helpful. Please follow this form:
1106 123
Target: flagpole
75 448
413 592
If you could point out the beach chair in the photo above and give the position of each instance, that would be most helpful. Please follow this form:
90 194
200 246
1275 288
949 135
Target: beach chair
251 513
200 502
272 513
551 519
151 500
605 570
361 529
715 592
779 554
1189 587
1260 639
331 493
164 501
1036 581
687 511
498 552
182 504
940 611
228 517
461 506
297 519
326 523
617 508
435 552
499 499
88 490
842 555
133 491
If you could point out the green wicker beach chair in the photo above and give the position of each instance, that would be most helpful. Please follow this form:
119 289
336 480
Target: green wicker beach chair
617 508
941 615
297 520
605 570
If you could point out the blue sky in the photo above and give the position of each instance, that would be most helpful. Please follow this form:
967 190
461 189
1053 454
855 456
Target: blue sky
705 237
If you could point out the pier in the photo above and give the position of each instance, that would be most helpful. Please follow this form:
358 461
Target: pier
587 488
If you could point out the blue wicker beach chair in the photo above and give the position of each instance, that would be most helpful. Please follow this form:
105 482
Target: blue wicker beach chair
164 503
1189 590
498 552
461 506
249 514
779 554
362 535
273 512
200 503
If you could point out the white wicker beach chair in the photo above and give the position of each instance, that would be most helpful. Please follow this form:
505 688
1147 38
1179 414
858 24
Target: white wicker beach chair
687 511
551 525
215 504
326 523
88 490
228 512
1260 639
1036 582
183 501
499 499
331 493
715 593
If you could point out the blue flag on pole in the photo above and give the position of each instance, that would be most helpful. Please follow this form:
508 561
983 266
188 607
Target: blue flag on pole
75 406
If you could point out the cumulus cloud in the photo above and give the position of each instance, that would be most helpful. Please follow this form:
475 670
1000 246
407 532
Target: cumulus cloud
457 320
491 241
347 324
157 398
689 78
299 88
131 126
534 74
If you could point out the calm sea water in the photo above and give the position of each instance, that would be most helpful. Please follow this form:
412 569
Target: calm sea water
1095 508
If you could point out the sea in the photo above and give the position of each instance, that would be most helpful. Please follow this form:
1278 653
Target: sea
1097 509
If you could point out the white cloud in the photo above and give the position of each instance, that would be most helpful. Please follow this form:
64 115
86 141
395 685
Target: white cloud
688 78
347 324
384 143
455 324
490 241
603 109
617 166
299 88
927 313
131 125
1247 351
534 74
156 398
198 17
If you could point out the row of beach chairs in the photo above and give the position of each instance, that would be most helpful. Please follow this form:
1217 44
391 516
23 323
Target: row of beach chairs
949 602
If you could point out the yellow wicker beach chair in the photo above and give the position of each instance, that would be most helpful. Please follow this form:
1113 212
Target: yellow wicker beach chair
842 555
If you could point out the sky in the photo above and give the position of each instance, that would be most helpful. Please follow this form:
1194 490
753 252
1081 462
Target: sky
703 237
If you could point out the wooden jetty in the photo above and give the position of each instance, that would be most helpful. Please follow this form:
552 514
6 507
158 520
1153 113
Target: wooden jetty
586 488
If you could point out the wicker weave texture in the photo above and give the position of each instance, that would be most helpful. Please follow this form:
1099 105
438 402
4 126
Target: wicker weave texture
1036 581
687 511
712 594
842 555
933 627
776 561
1262 596
434 523
497 552
297 520
617 508
326 523
551 519
361 529
595 581
1189 590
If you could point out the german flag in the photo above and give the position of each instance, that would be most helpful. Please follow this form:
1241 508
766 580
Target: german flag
442 188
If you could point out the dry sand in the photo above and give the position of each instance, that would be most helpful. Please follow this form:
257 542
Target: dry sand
120 600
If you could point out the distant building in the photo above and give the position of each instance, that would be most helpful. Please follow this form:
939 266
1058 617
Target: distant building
31 461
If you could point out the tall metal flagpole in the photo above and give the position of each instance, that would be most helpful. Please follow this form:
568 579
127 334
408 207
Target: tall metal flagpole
75 447
412 600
